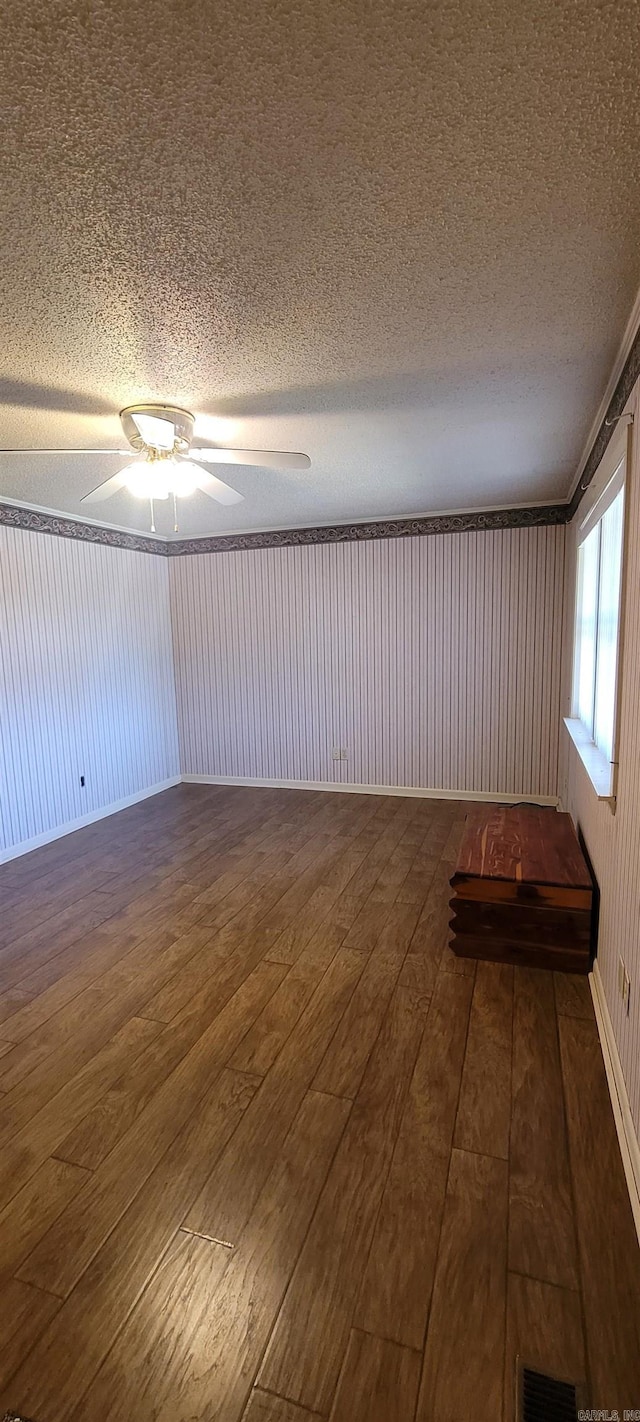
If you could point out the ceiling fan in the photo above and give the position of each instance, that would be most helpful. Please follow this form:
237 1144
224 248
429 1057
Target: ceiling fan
165 463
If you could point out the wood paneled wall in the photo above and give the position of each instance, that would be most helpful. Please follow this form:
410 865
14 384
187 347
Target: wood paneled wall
434 661
86 680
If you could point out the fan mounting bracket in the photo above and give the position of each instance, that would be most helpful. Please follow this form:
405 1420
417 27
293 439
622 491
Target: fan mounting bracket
182 420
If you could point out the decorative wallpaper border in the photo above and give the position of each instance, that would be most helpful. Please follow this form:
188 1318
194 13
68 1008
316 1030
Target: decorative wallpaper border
364 532
15 516
61 527
630 373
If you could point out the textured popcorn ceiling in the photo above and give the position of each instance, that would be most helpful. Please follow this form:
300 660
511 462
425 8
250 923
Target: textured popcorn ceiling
402 237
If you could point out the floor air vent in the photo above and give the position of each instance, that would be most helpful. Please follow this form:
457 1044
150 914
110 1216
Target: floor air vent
541 1398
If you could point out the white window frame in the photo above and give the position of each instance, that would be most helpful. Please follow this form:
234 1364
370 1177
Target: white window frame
612 475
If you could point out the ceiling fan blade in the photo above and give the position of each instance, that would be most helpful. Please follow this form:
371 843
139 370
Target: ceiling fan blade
262 458
215 488
110 486
155 431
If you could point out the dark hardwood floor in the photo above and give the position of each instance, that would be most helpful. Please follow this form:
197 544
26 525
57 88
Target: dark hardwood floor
271 1152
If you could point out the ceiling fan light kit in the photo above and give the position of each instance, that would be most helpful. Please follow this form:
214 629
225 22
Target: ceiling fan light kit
144 479
156 477
168 465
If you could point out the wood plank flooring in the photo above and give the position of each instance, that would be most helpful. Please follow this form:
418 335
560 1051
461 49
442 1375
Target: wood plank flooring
270 1152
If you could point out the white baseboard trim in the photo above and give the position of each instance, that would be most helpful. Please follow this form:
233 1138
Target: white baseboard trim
26 845
416 792
629 1146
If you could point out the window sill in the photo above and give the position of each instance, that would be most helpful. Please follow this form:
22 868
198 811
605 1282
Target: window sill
598 768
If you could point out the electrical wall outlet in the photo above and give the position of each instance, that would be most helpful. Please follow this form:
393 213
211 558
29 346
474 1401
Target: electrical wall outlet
337 753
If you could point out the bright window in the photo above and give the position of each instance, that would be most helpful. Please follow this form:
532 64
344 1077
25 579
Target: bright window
597 624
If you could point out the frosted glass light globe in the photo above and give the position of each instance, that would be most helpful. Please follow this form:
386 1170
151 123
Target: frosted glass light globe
147 479
181 477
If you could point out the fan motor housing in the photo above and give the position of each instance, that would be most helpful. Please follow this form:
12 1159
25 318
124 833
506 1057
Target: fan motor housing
182 421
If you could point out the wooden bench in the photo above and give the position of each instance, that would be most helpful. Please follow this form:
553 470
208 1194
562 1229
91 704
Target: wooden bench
522 891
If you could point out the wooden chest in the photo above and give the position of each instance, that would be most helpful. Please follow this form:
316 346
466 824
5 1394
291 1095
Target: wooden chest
522 891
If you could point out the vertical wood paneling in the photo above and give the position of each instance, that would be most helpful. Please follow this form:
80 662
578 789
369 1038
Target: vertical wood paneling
86 680
435 661
613 841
